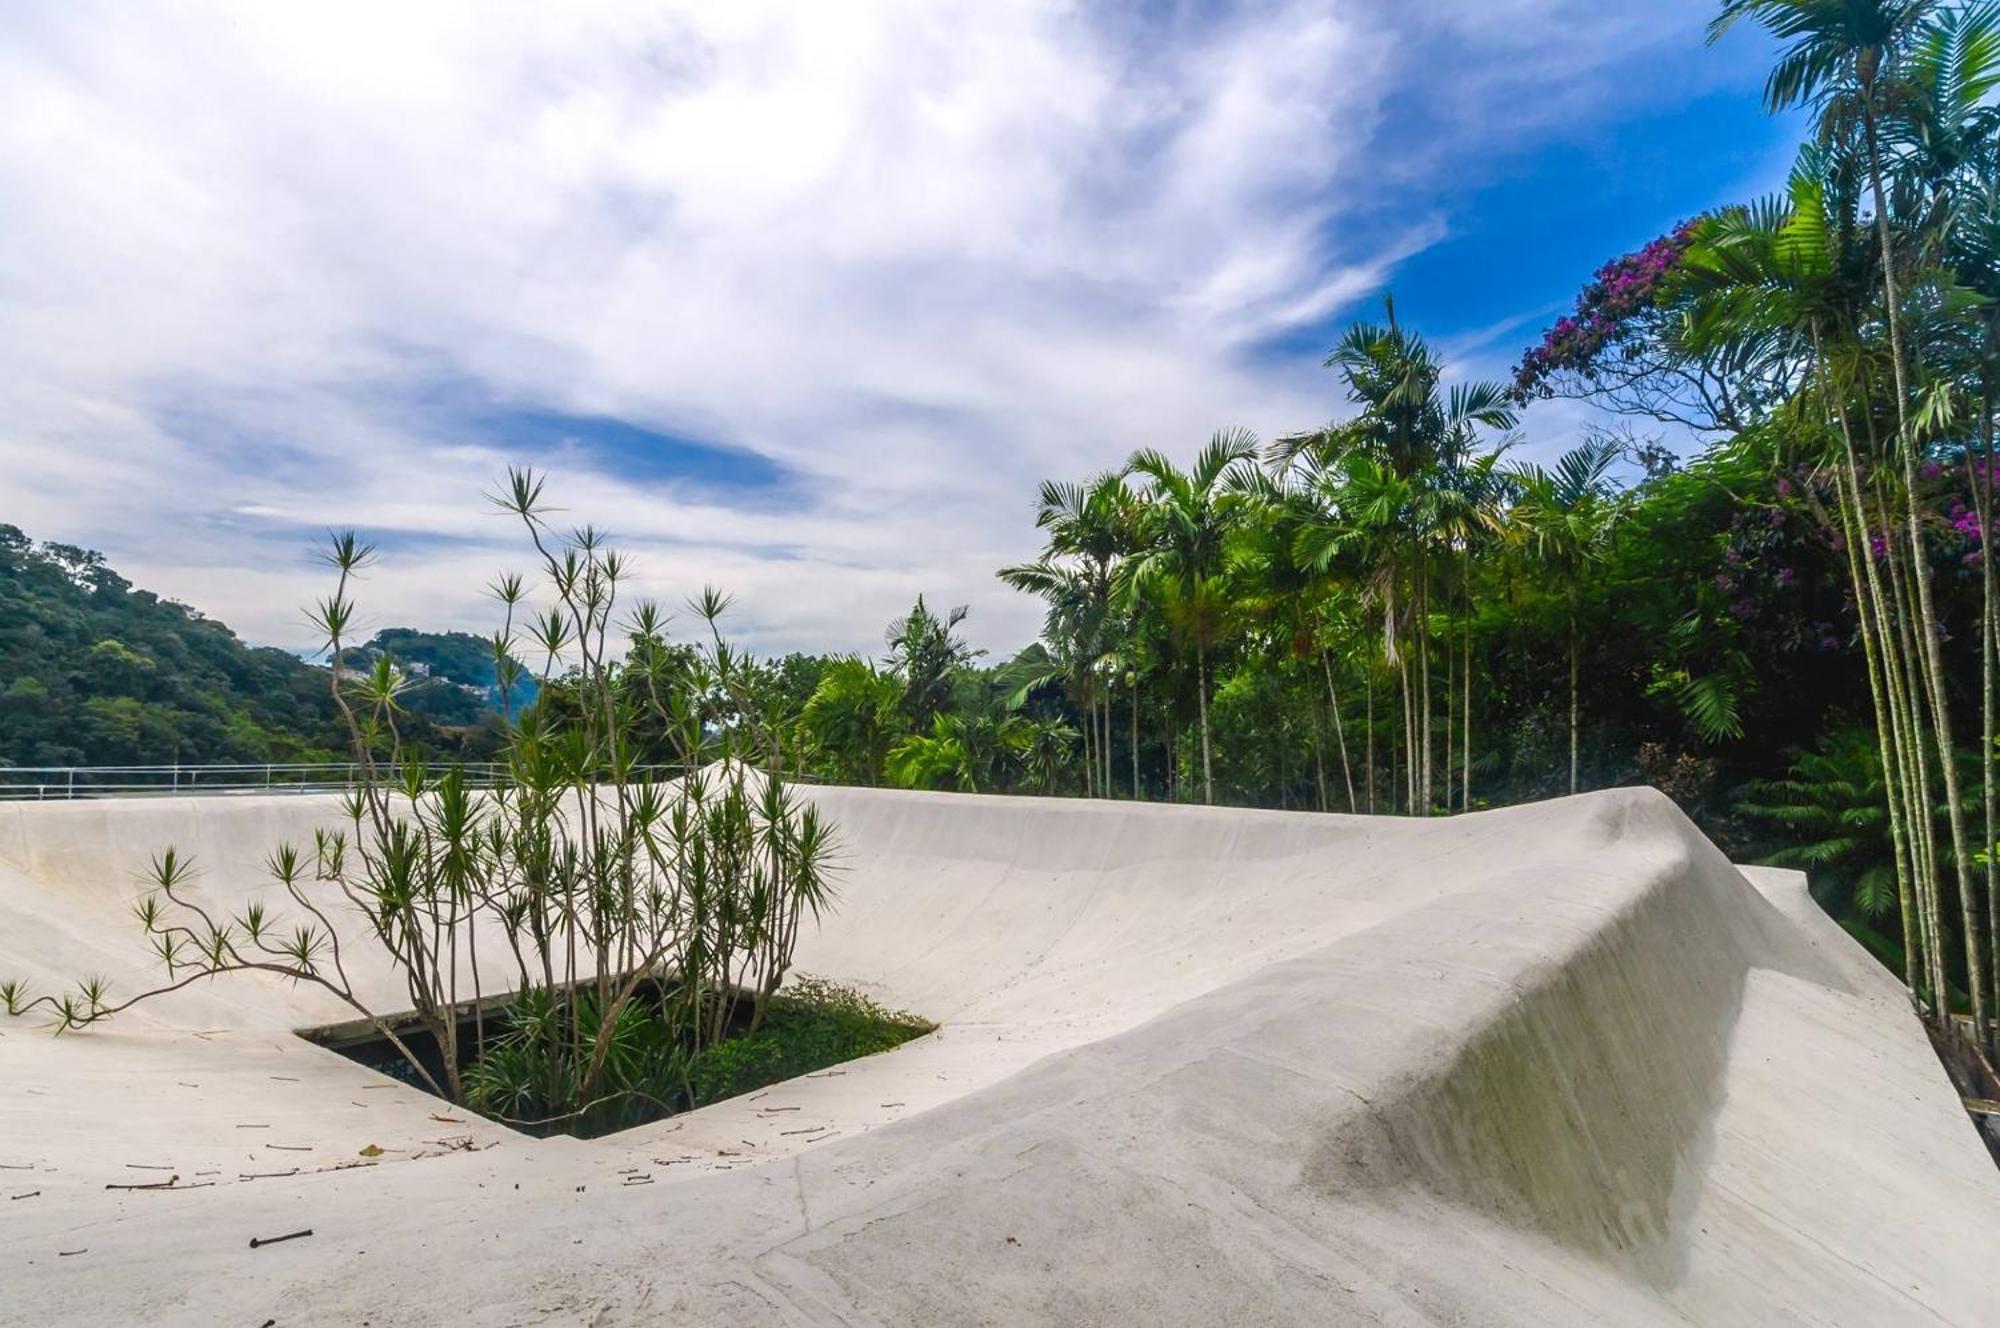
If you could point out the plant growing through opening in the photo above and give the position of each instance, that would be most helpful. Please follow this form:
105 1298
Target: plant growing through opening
639 915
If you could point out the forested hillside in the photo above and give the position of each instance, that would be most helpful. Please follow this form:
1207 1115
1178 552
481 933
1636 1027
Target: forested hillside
451 675
94 671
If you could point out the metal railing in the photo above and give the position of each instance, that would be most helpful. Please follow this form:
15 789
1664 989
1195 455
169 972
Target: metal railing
35 782
30 783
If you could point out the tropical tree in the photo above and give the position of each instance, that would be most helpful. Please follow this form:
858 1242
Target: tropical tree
1183 527
927 652
1396 488
1564 517
1852 62
855 716
1090 530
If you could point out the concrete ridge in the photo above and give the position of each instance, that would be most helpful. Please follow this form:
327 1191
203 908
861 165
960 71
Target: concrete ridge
1550 1064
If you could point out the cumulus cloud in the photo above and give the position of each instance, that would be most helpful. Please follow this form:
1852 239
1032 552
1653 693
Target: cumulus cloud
915 255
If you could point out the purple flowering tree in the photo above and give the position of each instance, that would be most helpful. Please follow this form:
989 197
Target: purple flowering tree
1622 348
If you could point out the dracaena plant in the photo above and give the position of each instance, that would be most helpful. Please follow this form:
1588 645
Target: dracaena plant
637 914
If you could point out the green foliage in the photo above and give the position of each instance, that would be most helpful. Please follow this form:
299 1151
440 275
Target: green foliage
528 1075
854 715
99 673
454 677
811 1025
603 880
96 672
1831 818
926 653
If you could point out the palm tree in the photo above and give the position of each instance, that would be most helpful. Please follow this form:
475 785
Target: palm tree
1290 600
854 715
961 752
1953 128
928 653
1046 748
1782 286
1851 61
1185 523
1393 466
1089 531
1565 517
939 758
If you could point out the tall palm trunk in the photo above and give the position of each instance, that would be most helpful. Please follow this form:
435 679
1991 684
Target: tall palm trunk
1423 606
1339 732
1089 757
1135 735
1575 702
1368 683
1465 790
1933 660
1907 689
1930 662
1906 696
1207 761
1409 737
1104 744
1450 703
1110 746
1319 754
1989 586
1867 605
1982 498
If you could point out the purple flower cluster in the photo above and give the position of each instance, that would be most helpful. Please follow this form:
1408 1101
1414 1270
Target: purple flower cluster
1622 289
1965 521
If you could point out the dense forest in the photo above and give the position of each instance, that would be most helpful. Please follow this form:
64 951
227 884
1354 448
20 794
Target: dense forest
94 671
450 678
1763 586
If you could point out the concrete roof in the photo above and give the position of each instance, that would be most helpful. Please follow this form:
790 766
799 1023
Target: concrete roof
1553 1064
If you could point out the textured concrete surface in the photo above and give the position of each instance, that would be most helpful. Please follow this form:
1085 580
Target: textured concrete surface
1549 1065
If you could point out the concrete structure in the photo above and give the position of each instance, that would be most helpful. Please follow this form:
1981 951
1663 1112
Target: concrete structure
1549 1065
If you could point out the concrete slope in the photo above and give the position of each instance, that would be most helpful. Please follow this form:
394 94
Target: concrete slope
1553 1064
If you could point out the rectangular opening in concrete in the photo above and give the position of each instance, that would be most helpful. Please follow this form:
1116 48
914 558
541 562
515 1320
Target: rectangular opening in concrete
808 1026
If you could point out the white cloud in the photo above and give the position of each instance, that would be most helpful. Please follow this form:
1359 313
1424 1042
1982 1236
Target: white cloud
921 254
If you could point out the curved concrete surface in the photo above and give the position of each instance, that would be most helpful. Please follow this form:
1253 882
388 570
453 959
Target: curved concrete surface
1548 1065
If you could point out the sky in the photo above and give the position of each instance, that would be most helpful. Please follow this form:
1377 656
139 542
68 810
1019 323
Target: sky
796 300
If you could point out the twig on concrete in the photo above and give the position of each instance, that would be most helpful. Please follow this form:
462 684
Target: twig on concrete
166 1184
256 1241
29 1195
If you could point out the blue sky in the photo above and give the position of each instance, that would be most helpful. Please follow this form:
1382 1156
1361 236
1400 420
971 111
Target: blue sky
796 300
